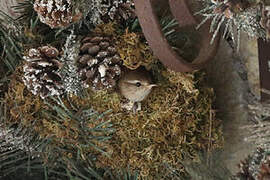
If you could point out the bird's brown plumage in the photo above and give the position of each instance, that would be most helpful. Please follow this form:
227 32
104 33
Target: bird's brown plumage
136 85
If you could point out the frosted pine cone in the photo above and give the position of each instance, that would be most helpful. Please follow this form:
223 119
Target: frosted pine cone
99 63
117 10
56 13
265 21
40 72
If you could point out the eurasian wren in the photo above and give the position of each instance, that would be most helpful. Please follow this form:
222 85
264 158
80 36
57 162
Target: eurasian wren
136 85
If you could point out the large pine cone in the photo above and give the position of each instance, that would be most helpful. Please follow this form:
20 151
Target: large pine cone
117 10
99 63
56 13
40 72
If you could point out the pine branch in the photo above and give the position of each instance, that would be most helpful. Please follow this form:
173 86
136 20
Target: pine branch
25 10
82 163
233 17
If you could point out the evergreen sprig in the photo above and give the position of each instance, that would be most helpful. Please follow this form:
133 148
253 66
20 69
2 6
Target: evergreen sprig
71 79
242 16
81 165
25 11
22 148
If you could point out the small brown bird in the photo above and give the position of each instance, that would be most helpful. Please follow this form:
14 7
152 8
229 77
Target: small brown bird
136 85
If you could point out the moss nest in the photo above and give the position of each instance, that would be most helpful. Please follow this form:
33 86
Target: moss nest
176 123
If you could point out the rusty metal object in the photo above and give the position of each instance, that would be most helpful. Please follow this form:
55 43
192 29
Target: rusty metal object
264 66
159 44
181 12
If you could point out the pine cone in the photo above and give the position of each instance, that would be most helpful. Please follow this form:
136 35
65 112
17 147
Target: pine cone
99 63
117 10
40 72
56 13
265 20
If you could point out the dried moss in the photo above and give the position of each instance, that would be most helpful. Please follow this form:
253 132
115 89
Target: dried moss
108 29
133 51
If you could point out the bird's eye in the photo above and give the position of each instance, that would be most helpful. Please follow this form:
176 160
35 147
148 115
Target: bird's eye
138 84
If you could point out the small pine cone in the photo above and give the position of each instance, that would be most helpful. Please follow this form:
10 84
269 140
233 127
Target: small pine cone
265 20
117 10
99 64
56 13
40 72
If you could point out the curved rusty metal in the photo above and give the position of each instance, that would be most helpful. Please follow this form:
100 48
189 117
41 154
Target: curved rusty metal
159 44
181 12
